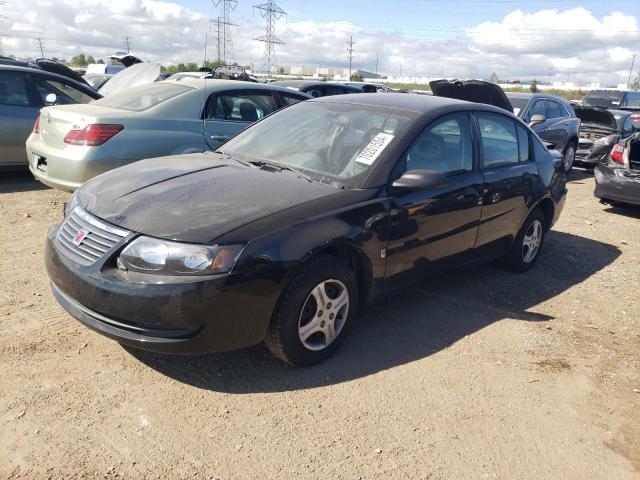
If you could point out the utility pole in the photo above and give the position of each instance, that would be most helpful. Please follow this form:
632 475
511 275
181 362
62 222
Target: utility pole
41 45
127 44
633 60
223 22
272 13
350 54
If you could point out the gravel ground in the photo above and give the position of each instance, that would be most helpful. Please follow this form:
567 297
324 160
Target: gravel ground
475 374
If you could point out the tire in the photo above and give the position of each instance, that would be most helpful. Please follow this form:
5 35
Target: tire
521 259
569 156
324 277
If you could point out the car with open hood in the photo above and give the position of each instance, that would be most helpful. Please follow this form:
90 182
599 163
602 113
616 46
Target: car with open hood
283 232
613 99
600 130
70 145
618 178
550 116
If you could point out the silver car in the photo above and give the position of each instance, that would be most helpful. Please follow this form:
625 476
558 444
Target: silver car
73 143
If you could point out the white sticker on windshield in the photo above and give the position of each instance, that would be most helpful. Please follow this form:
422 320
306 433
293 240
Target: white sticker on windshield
372 151
516 111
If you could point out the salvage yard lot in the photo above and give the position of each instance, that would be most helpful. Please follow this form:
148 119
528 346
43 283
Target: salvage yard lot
485 374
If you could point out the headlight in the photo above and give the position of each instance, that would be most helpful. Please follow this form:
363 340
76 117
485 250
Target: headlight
71 204
151 255
604 141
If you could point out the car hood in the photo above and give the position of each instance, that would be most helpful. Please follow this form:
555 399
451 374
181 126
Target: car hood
137 74
194 198
596 115
472 91
56 67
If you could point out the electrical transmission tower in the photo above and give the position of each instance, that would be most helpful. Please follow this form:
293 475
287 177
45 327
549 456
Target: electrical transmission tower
272 13
2 17
127 43
41 46
350 44
223 33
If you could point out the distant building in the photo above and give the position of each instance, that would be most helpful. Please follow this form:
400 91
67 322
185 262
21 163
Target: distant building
328 73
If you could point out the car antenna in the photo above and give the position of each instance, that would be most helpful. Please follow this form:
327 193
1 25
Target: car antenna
204 99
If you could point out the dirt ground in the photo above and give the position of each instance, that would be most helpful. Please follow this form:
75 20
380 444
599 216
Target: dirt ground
476 374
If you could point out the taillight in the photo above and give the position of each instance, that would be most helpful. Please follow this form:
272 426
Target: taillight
36 126
617 153
93 135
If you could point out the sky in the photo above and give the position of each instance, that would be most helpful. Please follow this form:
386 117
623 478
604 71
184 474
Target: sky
561 40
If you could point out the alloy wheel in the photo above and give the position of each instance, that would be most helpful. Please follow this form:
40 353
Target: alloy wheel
531 241
569 157
323 314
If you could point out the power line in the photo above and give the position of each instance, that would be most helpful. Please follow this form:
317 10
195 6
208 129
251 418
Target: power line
272 13
127 43
350 54
223 34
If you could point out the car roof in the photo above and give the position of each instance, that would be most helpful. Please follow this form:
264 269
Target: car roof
406 101
213 84
41 72
297 83
535 95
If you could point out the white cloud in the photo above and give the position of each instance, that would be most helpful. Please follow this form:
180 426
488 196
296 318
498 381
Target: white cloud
545 44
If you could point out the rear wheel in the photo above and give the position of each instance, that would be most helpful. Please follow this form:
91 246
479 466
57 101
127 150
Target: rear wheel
528 242
314 312
569 156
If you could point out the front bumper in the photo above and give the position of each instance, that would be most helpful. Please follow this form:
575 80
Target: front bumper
591 155
162 314
617 184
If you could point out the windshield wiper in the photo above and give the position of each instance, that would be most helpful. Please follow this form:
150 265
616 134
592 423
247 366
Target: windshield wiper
241 162
262 163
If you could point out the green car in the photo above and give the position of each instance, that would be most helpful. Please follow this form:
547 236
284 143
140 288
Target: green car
71 144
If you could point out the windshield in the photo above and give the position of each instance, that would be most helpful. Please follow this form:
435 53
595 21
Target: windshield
518 103
603 98
141 98
330 142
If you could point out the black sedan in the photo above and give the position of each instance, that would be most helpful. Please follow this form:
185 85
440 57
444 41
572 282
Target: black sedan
318 89
288 228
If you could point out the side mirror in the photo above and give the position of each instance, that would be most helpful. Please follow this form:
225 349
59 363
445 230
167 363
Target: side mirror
549 145
418 180
51 99
536 119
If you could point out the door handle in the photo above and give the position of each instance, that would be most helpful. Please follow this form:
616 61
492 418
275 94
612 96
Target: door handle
470 192
219 137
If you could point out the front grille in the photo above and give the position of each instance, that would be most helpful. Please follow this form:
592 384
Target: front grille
85 239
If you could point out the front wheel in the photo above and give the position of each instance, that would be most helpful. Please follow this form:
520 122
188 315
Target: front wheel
314 312
569 156
528 242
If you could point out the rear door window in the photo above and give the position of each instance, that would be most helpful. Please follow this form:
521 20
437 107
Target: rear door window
288 99
242 106
499 140
13 89
632 99
65 93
